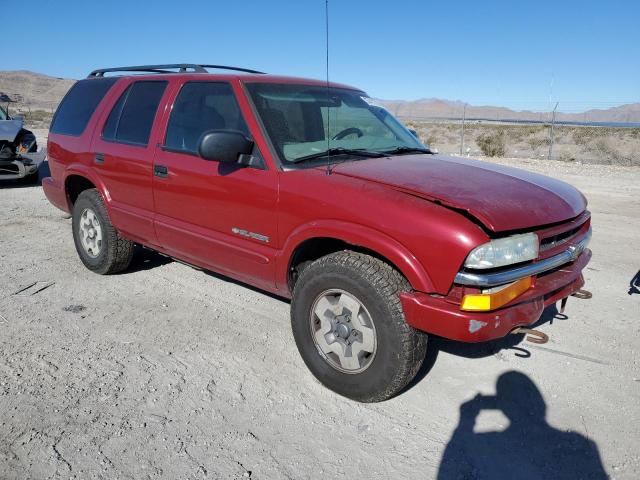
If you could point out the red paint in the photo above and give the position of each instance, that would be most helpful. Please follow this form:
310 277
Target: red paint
442 317
502 198
423 214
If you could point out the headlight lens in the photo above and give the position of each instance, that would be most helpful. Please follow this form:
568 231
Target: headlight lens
504 251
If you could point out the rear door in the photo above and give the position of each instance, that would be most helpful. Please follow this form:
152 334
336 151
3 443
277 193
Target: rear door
222 216
123 156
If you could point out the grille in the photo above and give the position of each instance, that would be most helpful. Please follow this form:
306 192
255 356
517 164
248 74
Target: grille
555 240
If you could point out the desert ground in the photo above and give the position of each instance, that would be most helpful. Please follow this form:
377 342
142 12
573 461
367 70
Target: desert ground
165 371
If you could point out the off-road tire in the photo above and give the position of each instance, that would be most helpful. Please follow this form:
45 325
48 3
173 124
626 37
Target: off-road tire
400 348
116 252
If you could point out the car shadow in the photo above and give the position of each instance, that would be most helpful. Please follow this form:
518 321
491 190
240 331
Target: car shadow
513 342
15 184
634 284
146 259
509 342
527 448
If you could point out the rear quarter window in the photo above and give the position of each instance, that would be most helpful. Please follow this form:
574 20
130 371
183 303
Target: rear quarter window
78 105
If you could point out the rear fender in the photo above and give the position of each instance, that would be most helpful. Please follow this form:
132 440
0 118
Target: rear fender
86 172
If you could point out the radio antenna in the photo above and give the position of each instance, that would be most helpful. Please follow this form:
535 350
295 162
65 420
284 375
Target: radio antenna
326 27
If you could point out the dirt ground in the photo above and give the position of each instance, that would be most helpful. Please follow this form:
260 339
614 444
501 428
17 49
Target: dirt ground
169 372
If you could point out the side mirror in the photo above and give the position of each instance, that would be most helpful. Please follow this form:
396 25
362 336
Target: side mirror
413 132
224 145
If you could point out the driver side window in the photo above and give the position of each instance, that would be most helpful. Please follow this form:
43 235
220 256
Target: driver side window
200 107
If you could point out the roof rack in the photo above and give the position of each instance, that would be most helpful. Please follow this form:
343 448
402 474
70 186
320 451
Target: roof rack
169 68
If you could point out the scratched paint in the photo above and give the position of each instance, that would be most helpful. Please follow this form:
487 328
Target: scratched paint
475 325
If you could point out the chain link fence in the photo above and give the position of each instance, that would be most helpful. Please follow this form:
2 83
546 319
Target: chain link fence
587 141
543 136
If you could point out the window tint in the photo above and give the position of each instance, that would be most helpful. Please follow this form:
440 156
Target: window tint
132 116
78 105
202 106
109 131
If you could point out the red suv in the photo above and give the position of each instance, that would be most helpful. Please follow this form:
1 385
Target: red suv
310 191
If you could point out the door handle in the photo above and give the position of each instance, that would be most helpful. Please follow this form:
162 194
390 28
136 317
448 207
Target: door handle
98 158
160 171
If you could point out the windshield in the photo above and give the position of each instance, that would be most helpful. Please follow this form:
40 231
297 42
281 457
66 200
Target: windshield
304 122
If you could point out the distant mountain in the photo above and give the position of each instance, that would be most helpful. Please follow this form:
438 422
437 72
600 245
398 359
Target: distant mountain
623 113
36 91
437 108
33 90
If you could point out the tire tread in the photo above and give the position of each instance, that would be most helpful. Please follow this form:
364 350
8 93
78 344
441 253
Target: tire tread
389 283
119 251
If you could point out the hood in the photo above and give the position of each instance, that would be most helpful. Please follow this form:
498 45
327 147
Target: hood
9 129
500 197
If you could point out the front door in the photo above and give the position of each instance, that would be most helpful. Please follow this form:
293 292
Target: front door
221 216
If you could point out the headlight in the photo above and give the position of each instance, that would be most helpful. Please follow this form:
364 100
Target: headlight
504 251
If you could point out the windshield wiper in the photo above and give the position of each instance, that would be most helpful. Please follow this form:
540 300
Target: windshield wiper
339 151
400 150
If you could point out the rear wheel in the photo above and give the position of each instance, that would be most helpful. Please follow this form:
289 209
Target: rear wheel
97 242
350 329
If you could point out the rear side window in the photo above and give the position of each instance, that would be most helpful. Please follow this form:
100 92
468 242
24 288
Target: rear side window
78 105
132 116
200 107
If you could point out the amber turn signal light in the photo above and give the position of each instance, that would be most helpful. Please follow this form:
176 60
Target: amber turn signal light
495 299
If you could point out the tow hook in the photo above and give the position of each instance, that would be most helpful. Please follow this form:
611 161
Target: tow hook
533 336
582 294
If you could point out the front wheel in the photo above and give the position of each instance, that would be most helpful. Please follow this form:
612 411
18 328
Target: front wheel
350 329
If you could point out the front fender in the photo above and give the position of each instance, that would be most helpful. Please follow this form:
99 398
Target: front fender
358 235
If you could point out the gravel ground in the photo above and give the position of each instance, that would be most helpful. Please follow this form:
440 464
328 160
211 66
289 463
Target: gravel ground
169 372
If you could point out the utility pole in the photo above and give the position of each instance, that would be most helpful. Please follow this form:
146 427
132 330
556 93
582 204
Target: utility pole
464 116
553 121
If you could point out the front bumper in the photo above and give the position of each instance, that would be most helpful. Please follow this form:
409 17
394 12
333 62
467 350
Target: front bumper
16 169
438 316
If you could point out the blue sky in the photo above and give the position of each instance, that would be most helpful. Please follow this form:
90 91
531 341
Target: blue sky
513 53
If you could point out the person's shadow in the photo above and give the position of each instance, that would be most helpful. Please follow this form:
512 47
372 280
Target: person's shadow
634 284
528 448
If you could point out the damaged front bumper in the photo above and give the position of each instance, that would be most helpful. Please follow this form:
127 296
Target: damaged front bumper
440 316
21 166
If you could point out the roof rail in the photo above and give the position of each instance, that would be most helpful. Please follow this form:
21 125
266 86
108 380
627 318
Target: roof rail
168 68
